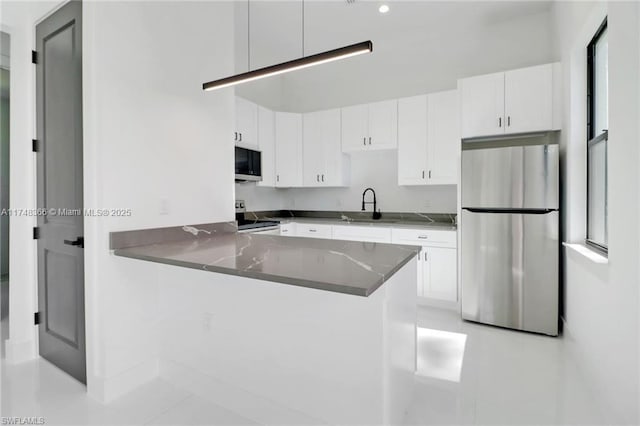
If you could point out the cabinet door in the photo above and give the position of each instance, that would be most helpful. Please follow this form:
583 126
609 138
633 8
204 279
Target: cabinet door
412 140
246 122
335 170
383 125
354 128
443 138
312 149
267 146
313 230
288 149
529 99
440 274
482 105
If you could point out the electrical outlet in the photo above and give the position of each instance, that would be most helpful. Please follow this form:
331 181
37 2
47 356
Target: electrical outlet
164 206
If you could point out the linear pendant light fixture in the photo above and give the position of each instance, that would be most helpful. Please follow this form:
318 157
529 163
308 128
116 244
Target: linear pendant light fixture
296 64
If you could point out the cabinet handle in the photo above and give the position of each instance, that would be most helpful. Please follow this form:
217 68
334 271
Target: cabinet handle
509 121
429 174
364 141
425 256
423 174
284 230
277 178
369 140
312 230
236 137
323 178
499 121
422 237
240 137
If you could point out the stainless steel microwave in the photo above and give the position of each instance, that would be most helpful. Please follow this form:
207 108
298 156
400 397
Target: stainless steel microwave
248 165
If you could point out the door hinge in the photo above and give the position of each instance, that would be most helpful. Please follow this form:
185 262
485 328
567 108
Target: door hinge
34 57
36 318
36 233
35 145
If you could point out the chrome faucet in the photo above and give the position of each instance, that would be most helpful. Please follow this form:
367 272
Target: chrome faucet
376 214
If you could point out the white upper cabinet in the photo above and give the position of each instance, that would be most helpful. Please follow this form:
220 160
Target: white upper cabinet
428 139
482 105
355 127
267 145
443 138
511 102
288 149
371 126
528 99
246 131
412 140
324 163
383 125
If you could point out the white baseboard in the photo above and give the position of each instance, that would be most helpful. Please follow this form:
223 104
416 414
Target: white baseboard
20 351
106 390
442 304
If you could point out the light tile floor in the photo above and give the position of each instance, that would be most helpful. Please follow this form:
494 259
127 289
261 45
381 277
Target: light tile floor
467 374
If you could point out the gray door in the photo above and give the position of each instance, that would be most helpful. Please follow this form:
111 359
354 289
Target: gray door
59 164
509 270
513 177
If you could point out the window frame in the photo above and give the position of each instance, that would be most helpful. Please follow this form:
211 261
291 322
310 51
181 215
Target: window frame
594 138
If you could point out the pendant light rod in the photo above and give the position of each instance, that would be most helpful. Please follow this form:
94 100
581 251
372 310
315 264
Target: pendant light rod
296 64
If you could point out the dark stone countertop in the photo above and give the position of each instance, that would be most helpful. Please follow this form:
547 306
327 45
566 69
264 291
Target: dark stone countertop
357 268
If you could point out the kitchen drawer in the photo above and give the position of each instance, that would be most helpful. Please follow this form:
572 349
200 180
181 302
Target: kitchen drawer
424 237
313 230
362 233
288 229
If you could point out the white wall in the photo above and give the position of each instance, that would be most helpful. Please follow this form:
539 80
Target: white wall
151 135
601 301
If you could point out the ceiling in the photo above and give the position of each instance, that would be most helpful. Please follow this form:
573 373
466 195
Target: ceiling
276 26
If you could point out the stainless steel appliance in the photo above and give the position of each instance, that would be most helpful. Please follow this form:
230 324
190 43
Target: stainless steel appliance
248 164
510 235
253 225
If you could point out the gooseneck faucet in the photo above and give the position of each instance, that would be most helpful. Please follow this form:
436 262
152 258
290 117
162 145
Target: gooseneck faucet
376 213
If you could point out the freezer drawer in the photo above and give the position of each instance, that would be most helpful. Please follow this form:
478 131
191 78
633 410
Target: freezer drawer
510 177
509 270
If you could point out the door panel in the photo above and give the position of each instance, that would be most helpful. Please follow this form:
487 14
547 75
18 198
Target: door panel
510 177
443 138
482 103
336 162
59 178
509 265
312 149
383 125
354 127
412 140
442 266
266 144
529 99
246 122
288 149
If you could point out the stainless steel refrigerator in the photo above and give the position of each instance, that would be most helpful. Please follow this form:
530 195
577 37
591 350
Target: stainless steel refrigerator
510 235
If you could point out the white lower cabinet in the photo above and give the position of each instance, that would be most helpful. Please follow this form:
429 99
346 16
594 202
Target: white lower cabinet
288 229
313 230
362 233
437 261
439 274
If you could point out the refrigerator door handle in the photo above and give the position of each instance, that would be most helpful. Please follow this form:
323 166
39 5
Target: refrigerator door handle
508 210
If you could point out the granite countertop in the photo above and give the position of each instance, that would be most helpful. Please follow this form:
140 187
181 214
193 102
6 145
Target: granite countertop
407 220
442 226
349 267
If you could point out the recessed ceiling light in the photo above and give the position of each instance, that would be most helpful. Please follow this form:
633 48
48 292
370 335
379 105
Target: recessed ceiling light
383 8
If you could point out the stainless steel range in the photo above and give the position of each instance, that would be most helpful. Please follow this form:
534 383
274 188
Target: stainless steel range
253 225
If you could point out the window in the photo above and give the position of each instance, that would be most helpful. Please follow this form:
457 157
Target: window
597 137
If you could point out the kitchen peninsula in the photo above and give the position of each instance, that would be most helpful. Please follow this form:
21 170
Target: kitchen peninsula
321 327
